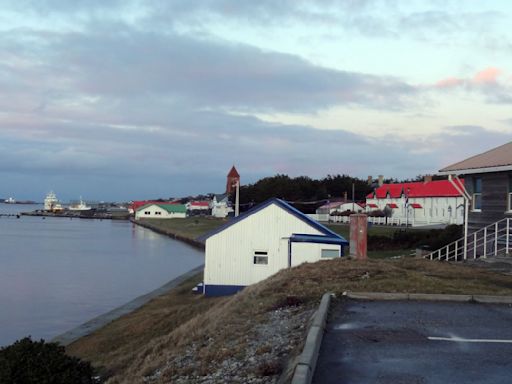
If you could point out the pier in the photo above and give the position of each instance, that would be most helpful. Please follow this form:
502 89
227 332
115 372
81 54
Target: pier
16 215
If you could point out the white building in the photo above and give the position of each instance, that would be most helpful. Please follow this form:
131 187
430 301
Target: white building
420 203
270 237
161 211
221 207
324 212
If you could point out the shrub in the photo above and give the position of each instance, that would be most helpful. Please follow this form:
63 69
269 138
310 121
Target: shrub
27 361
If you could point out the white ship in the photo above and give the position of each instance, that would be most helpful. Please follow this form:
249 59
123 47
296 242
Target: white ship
81 206
10 200
51 203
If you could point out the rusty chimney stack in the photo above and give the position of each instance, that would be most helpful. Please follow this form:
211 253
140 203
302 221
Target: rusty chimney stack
427 179
381 180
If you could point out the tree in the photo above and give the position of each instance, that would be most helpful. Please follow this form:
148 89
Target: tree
38 362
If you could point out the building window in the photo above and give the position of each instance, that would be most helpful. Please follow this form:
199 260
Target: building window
260 257
330 253
477 194
509 195
158 213
147 212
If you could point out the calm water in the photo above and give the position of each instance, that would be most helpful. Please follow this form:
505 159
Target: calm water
57 273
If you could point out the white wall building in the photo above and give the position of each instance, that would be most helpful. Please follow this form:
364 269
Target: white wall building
323 213
272 236
221 207
420 203
161 211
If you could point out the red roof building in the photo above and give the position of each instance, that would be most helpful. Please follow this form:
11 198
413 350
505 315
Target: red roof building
438 188
419 203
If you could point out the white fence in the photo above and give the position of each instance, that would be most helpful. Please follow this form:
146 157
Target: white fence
493 240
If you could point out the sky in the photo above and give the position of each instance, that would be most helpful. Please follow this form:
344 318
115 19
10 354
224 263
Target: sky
124 100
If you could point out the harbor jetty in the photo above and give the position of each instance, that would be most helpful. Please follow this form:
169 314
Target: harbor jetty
90 214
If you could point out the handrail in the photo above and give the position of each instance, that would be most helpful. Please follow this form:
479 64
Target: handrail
474 241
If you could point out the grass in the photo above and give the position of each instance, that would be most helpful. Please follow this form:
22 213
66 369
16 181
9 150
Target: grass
114 347
374 230
190 227
161 332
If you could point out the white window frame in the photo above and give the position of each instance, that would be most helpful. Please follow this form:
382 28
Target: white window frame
509 195
475 195
259 255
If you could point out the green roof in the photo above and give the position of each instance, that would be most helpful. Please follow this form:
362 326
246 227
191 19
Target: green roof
171 208
176 208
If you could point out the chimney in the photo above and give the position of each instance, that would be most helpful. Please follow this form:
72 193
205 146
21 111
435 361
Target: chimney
427 179
381 180
345 196
370 180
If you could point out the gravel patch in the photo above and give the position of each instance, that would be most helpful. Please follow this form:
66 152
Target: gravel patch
259 358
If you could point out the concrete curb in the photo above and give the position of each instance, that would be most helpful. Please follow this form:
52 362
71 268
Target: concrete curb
102 320
429 297
306 364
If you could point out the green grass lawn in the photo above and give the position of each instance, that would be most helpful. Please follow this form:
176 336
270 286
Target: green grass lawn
374 230
191 227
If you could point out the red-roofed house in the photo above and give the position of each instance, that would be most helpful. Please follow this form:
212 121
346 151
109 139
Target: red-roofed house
422 203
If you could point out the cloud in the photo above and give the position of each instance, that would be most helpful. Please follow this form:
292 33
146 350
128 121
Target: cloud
117 62
490 82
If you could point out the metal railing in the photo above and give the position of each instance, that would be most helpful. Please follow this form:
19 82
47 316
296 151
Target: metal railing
492 240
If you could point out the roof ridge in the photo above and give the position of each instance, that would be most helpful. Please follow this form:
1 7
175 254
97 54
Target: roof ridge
474 156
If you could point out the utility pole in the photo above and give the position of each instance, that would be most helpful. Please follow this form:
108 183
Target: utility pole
237 199
353 197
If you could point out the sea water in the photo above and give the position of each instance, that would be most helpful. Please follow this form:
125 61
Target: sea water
57 273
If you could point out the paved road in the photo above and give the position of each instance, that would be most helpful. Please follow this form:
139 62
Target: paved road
408 342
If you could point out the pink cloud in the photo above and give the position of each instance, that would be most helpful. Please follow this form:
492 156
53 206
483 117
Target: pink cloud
487 76
449 82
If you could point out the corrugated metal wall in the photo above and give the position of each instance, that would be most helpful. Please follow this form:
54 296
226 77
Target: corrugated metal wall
229 254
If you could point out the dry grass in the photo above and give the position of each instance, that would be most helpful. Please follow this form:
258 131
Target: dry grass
164 329
114 347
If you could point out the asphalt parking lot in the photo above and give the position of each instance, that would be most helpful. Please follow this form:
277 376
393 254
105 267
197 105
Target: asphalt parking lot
409 342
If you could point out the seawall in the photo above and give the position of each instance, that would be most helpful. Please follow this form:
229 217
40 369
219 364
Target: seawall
98 322
195 243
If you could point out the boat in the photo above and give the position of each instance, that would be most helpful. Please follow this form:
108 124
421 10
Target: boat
51 203
81 206
10 200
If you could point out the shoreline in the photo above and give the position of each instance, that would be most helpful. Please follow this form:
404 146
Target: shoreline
195 243
100 321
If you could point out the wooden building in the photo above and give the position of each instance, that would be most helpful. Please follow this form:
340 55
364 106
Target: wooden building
488 180
270 237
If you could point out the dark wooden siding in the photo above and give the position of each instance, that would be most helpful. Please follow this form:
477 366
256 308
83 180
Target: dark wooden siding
494 199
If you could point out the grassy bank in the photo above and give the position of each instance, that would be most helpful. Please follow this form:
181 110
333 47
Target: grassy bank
180 337
190 227
193 227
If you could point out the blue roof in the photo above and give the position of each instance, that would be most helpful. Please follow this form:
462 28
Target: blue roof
320 239
287 207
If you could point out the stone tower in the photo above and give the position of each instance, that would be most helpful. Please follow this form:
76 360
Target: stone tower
232 179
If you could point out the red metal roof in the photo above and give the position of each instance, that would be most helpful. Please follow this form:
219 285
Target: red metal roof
371 205
200 203
416 205
392 205
437 188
